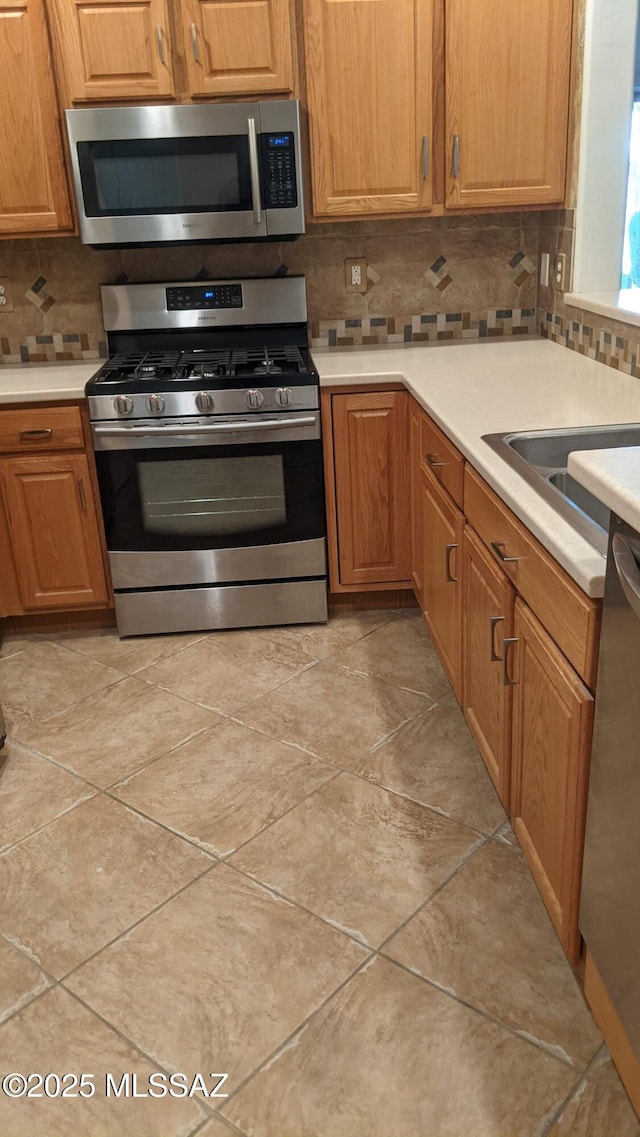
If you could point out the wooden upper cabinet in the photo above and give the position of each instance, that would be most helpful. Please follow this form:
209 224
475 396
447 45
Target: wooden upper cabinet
369 87
34 194
236 47
552 726
54 531
114 49
370 444
507 101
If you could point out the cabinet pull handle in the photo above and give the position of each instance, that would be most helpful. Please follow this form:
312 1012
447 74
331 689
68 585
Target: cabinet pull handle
497 547
82 495
194 43
433 461
36 435
160 42
425 158
493 622
447 564
456 155
506 643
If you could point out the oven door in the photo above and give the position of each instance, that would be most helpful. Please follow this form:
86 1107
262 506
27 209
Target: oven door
212 502
184 173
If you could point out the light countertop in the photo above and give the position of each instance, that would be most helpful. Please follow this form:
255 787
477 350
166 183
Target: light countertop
469 389
472 389
41 382
613 476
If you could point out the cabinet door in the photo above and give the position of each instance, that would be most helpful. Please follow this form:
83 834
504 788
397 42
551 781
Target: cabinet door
552 725
34 195
117 49
415 424
507 101
442 534
487 620
369 77
236 47
54 531
370 441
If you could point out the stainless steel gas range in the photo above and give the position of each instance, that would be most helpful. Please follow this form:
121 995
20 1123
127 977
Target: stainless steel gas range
206 428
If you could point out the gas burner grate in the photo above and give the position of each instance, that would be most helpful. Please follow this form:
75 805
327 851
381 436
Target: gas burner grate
267 360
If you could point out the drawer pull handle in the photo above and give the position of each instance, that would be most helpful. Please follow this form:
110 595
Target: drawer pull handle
497 547
506 681
433 461
36 435
493 622
82 495
447 564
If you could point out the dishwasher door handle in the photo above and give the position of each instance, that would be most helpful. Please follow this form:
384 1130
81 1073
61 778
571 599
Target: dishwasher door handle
628 571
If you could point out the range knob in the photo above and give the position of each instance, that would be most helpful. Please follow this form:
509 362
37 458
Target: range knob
284 397
123 404
155 404
205 402
254 399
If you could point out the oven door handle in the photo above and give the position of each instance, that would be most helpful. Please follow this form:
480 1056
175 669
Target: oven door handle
184 430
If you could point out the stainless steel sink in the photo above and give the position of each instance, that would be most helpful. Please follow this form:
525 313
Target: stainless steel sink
541 457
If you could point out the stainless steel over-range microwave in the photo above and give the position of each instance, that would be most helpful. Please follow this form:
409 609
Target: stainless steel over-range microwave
214 172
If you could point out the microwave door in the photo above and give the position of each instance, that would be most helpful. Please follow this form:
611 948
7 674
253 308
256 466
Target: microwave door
154 174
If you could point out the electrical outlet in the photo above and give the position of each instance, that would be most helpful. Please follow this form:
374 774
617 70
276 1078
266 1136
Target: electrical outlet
6 303
559 271
545 259
356 275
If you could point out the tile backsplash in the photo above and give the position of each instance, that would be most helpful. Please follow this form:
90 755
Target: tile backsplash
429 279
607 340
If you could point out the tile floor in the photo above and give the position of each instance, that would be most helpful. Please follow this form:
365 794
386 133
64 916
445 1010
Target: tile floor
276 855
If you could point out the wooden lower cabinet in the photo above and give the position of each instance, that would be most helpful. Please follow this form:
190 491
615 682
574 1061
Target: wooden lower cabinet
552 726
53 527
488 609
442 536
372 488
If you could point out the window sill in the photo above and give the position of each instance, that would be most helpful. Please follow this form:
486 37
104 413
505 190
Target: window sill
623 305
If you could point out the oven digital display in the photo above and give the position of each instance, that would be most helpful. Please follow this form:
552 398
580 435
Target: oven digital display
280 139
189 297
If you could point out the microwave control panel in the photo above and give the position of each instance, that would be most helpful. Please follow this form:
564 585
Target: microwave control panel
279 171
190 298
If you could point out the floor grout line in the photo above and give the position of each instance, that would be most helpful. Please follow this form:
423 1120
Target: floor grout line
573 1092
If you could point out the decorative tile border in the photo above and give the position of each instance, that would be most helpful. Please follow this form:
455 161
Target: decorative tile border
424 327
54 348
596 340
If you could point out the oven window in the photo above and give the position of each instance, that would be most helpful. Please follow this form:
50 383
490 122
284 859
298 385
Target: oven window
220 497
215 496
136 177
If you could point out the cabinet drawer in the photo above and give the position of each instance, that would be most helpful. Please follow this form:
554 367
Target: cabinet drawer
441 457
40 428
569 615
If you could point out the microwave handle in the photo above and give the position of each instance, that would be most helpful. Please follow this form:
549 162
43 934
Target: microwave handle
255 172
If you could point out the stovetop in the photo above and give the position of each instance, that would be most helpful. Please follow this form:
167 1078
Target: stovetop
214 369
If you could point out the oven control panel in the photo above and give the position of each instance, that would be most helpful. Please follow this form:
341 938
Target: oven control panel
279 171
190 298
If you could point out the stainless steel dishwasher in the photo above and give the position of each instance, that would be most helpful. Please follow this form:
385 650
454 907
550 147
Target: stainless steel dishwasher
610 906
